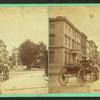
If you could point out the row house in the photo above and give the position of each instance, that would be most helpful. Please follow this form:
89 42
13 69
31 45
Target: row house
65 43
83 46
98 57
92 50
88 50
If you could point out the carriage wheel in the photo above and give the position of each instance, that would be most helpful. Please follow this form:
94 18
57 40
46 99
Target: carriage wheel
82 76
63 77
95 74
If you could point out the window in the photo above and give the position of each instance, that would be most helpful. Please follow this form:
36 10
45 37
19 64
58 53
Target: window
69 41
51 57
52 25
77 45
66 27
52 39
66 56
69 57
73 33
72 44
69 29
65 40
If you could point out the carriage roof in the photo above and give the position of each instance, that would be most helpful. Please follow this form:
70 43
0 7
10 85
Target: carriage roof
83 63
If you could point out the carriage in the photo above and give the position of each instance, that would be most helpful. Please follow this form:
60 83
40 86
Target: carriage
83 71
4 71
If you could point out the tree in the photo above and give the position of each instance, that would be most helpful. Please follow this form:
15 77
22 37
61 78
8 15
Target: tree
28 52
42 45
44 58
42 51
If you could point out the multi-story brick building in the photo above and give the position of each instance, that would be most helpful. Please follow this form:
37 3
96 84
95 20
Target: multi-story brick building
98 58
83 46
91 50
65 43
88 50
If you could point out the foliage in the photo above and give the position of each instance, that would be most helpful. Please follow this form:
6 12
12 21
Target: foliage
28 52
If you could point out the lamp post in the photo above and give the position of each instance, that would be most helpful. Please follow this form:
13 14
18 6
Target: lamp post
16 59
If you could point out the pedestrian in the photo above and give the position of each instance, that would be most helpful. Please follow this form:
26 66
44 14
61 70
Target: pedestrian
1 66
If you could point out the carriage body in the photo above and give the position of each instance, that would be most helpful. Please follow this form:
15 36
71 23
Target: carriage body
75 67
80 70
72 68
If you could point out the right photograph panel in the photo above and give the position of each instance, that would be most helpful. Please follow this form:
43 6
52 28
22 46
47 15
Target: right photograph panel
74 49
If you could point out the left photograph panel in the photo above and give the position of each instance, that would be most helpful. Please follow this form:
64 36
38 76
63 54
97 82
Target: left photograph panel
23 50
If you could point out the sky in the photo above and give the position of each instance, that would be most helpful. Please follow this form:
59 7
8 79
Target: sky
20 23
85 18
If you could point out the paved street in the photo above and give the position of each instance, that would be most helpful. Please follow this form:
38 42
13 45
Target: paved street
95 87
22 81
72 86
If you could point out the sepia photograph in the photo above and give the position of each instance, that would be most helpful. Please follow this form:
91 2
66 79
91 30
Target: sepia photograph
48 50
74 49
23 50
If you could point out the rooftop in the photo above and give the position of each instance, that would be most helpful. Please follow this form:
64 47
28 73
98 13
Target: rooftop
91 42
62 18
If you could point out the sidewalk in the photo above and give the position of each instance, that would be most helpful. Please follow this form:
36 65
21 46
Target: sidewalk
31 82
95 87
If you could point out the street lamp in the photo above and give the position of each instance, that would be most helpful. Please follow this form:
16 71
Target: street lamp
16 63
16 57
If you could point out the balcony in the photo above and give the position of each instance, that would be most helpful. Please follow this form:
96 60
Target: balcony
74 52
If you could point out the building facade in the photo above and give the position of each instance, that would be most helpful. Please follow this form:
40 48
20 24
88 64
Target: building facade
92 50
83 46
4 55
15 57
88 50
65 43
98 58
